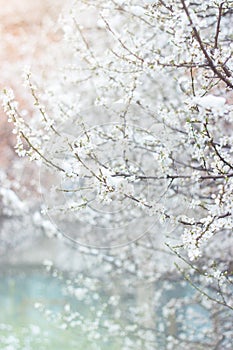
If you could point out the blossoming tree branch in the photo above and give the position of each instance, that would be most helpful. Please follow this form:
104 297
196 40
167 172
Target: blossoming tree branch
133 129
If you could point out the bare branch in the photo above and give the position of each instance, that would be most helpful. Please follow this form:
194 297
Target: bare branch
218 26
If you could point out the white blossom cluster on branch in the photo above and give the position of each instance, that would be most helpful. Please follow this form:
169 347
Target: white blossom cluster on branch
133 130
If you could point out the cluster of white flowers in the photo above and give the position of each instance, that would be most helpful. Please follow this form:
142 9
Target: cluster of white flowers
140 127
168 108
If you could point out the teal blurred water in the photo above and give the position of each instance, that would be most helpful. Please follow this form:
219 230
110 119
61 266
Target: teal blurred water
25 327
22 325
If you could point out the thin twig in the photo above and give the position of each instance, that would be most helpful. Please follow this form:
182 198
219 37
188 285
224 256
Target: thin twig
218 26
